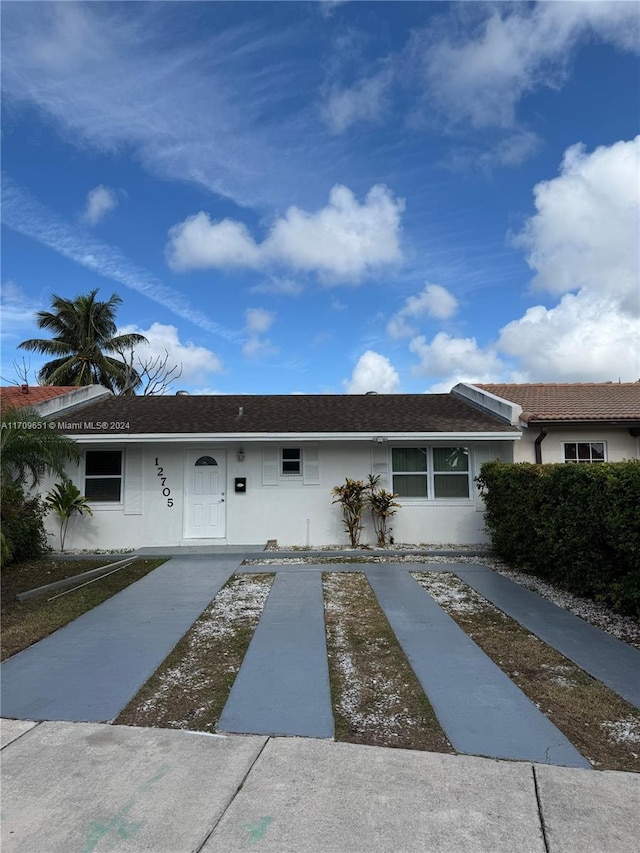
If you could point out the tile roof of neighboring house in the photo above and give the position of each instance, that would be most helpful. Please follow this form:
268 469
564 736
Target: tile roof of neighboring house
588 401
258 414
20 396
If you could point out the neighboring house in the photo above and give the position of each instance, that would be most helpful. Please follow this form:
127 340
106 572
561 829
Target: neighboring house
47 400
577 422
188 470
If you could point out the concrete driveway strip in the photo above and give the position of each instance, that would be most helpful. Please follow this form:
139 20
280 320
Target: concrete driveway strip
282 687
91 668
611 661
87 788
479 707
307 796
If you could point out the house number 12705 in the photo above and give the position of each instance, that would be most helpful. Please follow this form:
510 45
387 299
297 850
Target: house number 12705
166 491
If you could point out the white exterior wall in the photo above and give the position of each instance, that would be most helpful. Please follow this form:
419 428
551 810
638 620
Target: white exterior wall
620 445
290 510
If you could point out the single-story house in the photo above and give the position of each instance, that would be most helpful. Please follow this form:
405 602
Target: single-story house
565 422
187 470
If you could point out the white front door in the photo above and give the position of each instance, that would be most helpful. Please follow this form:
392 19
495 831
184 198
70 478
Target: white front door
205 479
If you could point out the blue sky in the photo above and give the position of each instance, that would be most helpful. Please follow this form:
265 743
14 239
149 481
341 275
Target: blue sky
330 197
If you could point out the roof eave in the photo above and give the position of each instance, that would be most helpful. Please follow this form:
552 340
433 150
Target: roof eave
212 438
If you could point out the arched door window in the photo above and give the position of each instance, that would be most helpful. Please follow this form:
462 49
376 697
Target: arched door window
206 460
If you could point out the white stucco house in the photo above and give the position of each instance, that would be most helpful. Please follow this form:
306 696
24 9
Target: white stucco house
565 422
240 470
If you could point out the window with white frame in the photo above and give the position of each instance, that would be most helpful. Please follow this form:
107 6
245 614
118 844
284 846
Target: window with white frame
291 461
584 451
103 476
440 473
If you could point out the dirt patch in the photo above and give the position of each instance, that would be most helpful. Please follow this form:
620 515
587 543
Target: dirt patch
191 686
599 723
376 697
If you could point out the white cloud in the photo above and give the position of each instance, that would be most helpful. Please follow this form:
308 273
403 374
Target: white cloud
479 74
583 244
446 355
584 234
100 201
258 320
434 301
584 338
512 150
364 101
197 362
344 240
373 372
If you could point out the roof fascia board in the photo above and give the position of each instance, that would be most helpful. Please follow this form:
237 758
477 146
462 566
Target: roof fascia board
504 409
199 438
586 423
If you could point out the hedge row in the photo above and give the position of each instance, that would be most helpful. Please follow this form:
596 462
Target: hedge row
575 525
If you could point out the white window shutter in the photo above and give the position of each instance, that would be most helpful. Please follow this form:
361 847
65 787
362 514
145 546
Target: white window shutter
270 465
311 465
380 464
133 481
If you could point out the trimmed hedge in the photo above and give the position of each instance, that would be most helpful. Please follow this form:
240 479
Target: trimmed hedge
575 525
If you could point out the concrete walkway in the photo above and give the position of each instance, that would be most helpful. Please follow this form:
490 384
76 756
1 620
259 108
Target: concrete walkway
282 687
89 788
91 668
480 709
611 661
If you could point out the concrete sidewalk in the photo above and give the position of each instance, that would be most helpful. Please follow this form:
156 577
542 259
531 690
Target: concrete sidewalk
91 788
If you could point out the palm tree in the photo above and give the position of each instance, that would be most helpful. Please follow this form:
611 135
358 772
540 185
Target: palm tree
84 333
30 448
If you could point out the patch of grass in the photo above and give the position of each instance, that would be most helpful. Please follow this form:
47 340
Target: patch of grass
582 708
191 686
24 623
376 696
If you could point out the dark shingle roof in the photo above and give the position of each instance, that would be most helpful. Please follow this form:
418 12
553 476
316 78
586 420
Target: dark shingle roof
384 413
588 401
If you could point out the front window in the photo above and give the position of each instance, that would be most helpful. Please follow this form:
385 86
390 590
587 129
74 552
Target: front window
451 472
410 471
584 451
291 461
439 473
103 476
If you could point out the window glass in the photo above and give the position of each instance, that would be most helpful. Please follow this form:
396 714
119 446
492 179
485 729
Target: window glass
410 485
206 460
409 459
103 462
291 460
584 451
103 475
454 459
451 485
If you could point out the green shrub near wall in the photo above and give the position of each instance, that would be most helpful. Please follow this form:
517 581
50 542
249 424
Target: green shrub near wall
575 525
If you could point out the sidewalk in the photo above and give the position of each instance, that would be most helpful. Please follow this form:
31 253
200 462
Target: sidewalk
91 788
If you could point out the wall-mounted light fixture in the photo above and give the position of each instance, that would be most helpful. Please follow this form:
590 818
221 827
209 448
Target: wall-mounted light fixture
380 439
240 455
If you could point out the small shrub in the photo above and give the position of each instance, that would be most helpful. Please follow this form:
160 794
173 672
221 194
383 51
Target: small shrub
22 526
351 496
66 500
383 506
